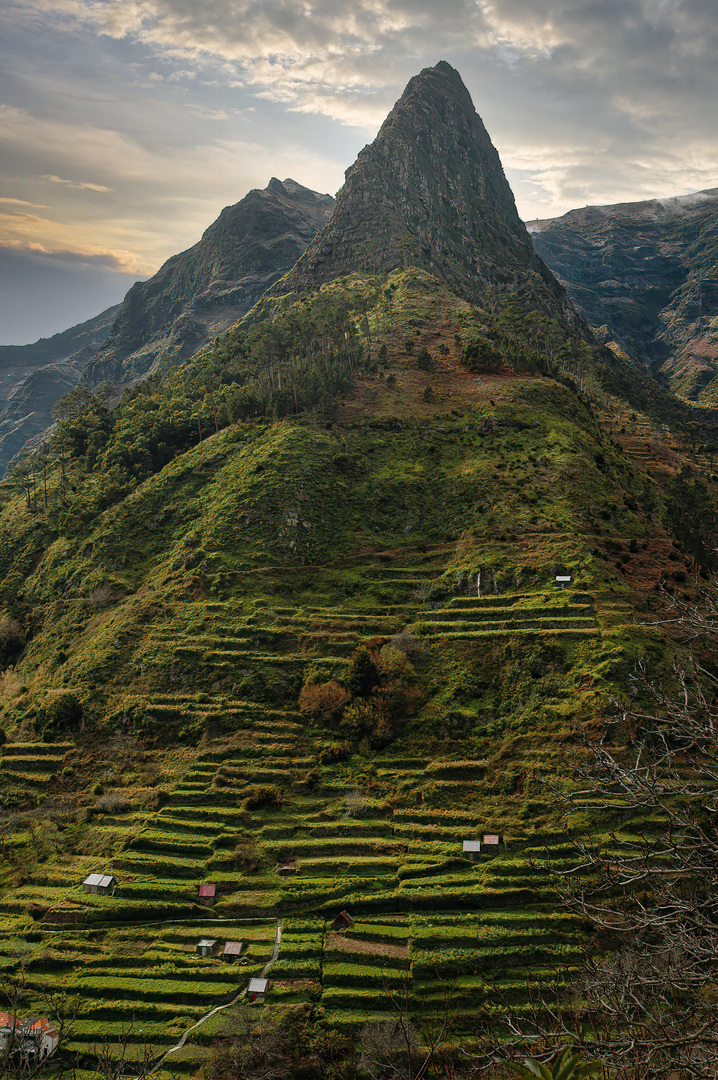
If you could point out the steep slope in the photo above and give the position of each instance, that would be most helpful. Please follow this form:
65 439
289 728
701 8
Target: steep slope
302 662
33 377
285 621
430 192
209 287
644 276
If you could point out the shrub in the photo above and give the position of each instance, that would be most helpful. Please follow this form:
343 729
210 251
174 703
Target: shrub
62 713
11 640
264 796
325 700
423 359
100 598
329 755
113 803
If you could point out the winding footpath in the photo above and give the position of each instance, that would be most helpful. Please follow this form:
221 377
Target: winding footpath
219 1008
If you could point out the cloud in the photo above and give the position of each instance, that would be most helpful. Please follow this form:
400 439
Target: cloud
22 202
83 258
207 114
80 185
587 101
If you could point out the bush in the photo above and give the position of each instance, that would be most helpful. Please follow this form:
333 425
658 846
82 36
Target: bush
264 796
423 359
113 803
63 713
11 640
325 700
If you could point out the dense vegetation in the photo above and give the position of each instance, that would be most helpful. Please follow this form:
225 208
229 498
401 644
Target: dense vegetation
285 620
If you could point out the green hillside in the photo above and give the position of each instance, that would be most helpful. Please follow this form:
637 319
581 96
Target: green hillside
307 656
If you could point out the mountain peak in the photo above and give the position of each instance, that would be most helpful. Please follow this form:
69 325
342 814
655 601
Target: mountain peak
430 191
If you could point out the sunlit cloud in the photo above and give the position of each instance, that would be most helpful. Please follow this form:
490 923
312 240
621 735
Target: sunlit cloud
118 261
79 185
5 201
174 109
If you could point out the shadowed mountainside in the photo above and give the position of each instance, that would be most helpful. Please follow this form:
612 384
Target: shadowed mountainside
33 377
643 275
193 297
207 288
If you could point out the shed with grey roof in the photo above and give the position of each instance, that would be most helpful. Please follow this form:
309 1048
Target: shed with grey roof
231 950
206 946
257 989
99 883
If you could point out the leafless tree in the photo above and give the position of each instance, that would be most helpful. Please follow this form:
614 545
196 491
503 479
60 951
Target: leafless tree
20 1050
411 1043
115 1061
646 999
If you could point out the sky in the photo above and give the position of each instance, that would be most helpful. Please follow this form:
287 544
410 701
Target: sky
127 125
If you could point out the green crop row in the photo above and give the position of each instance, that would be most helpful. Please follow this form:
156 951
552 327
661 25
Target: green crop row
396 935
373 960
308 968
343 974
355 1000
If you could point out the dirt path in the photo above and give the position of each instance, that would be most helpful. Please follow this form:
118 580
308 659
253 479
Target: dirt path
228 1005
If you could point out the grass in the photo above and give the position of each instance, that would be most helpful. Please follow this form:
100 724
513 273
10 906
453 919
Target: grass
396 507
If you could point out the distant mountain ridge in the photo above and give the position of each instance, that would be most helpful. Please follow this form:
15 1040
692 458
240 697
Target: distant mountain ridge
193 297
33 377
644 275
207 288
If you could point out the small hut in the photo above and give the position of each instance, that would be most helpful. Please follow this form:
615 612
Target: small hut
257 989
231 951
562 580
206 894
206 946
99 883
491 839
285 869
472 849
342 921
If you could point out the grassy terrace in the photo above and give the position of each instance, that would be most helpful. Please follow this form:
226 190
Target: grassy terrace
366 821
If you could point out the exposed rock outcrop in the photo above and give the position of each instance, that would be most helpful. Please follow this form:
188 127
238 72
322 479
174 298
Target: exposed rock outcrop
207 288
430 192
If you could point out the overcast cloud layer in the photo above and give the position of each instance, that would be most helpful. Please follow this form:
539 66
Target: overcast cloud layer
126 125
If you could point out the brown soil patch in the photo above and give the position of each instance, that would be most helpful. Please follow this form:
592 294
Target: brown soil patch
369 948
298 984
452 385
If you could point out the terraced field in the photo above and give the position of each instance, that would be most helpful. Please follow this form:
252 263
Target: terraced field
383 839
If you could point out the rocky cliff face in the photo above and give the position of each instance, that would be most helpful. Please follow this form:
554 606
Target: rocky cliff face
645 276
430 192
194 296
204 290
34 377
